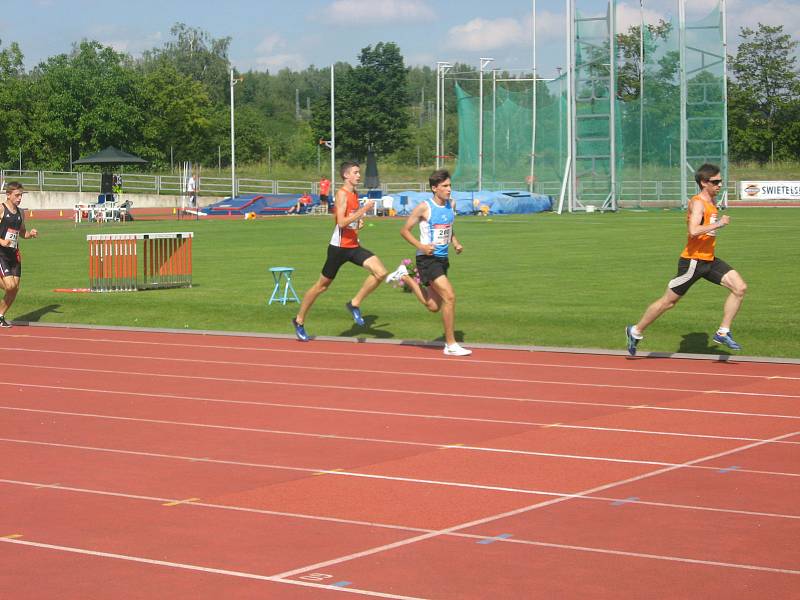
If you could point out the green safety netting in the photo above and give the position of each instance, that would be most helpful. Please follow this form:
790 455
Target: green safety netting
647 156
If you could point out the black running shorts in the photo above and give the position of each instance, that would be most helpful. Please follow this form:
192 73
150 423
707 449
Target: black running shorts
338 256
691 269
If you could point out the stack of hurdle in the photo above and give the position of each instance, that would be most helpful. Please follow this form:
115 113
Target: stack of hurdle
117 263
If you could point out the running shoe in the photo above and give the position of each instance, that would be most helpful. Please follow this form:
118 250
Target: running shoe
4 323
456 350
300 331
397 274
633 341
727 340
356 312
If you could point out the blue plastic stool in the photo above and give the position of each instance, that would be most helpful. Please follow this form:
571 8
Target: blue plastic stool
283 275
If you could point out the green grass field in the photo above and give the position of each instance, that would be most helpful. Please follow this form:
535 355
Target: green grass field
570 280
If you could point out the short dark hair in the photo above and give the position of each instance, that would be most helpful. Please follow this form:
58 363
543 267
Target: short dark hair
346 166
438 176
704 173
13 185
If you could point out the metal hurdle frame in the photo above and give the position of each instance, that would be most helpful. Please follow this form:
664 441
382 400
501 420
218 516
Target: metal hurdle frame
115 265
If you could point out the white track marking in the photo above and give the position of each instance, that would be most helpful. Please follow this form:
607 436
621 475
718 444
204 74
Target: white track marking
427 359
212 570
331 436
362 368
526 509
444 394
388 413
367 476
516 540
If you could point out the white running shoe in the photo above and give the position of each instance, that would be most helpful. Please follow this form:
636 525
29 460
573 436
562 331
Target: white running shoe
456 350
397 274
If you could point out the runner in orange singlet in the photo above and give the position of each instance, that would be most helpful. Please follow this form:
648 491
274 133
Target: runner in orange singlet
698 261
345 247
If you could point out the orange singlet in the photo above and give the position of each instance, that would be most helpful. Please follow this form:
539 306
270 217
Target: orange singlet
701 247
347 237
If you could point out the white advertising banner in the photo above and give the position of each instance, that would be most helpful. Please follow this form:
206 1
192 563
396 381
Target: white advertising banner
769 190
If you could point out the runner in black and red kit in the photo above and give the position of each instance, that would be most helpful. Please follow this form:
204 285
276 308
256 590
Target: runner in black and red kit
12 228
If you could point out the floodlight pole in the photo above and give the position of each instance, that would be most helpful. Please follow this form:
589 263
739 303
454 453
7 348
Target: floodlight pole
533 101
233 82
484 62
682 71
442 67
724 165
641 93
612 97
333 132
494 124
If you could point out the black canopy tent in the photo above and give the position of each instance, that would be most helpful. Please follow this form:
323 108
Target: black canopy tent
106 158
110 156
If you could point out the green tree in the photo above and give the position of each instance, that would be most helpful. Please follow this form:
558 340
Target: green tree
85 101
14 129
178 116
763 96
371 104
193 52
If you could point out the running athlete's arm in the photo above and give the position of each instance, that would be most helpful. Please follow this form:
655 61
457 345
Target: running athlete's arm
413 219
696 218
341 209
454 240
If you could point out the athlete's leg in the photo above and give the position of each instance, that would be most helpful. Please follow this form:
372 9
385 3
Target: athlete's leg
10 284
427 296
657 308
321 285
377 274
447 301
734 282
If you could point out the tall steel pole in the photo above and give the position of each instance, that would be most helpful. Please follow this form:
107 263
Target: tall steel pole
484 62
333 132
438 109
533 100
682 71
612 96
233 82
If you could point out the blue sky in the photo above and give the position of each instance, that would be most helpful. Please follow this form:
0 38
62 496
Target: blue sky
271 34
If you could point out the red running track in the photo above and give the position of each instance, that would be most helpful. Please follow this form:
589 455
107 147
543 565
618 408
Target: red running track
146 464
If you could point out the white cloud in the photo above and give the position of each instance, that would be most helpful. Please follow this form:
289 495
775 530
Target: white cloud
487 34
129 46
628 15
270 43
773 12
378 11
276 62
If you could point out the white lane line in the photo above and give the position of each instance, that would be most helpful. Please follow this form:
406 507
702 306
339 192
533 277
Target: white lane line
426 359
212 570
406 392
363 368
519 511
518 540
367 476
387 413
347 438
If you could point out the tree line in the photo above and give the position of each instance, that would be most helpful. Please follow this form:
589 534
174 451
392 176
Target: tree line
172 103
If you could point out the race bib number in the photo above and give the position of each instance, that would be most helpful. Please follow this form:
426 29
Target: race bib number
442 234
12 235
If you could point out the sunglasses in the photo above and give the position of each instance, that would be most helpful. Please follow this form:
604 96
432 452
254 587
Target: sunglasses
715 181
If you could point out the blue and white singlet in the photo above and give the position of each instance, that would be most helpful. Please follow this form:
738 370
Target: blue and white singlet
437 229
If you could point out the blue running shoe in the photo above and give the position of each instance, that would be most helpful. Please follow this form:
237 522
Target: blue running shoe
300 331
633 341
727 340
356 312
